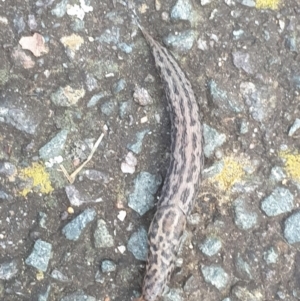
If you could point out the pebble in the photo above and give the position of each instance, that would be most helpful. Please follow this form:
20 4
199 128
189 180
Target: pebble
242 293
210 246
121 215
125 47
96 175
60 9
212 140
42 219
107 108
137 146
44 295
55 146
5 196
280 201
244 128
138 244
73 229
243 268
130 163
182 42
142 97
77 199
125 109
221 99
270 256
58 275
8 269
292 228
215 275
244 219
119 86
145 187
7 169
40 255
249 3
19 23
191 285
67 96
173 295
108 266
91 82
77 25
24 120
294 127
102 237
182 10
78 296
241 60
205 2
277 174
213 170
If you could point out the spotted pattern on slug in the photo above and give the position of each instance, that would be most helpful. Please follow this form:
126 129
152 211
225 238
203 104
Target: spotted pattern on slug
183 176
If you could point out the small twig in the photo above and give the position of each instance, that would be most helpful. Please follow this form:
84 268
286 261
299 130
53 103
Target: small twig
71 178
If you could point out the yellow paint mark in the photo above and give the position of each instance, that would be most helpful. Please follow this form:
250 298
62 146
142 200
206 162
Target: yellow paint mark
292 164
265 4
231 173
40 179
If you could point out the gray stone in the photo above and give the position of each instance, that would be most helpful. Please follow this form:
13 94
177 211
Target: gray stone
137 146
173 295
99 277
19 23
210 246
291 44
44 296
42 219
119 86
107 108
101 235
213 170
294 127
125 47
55 146
108 266
60 9
142 198
244 218
241 60
182 42
91 82
215 275
5 196
77 25
292 228
205 2
7 169
277 174
78 296
182 10
249 3
237 34
40 255
125 109
226 299
212 140
96 175
58 275
138 244
74 228
270 256
244 127
110 36
191 285
280 201
24 120
8 269
242 293
221 99
243 268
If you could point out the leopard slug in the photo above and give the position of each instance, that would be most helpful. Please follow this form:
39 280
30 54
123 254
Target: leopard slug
183 176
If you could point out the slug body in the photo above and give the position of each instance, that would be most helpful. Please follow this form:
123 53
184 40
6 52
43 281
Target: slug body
183 177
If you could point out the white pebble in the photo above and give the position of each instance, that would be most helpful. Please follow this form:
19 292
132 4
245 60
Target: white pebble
122 215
